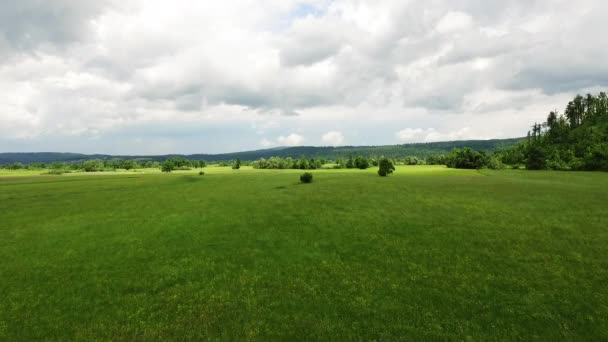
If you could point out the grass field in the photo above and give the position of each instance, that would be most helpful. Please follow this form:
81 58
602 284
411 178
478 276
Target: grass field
427 253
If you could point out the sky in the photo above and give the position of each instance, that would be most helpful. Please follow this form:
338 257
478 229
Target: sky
189 76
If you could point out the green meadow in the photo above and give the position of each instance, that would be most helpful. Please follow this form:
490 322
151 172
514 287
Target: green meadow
428 253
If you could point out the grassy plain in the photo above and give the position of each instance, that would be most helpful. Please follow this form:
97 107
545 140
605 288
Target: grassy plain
427 253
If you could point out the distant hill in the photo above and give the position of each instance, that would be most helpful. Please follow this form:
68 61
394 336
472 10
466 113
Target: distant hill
391 151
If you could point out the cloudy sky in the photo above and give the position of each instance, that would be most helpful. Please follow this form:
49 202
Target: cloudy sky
153 77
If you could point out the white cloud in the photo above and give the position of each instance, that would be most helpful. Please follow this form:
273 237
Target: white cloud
291 140
192 75
411 135
266 143
333 138
454 21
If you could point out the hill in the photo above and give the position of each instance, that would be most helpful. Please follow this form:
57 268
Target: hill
392 151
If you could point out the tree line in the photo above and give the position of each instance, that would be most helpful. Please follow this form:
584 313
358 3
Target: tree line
574 140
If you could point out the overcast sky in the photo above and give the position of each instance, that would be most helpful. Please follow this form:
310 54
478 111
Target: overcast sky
155 77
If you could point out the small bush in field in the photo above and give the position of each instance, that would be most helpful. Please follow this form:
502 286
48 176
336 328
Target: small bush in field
306 177
201 173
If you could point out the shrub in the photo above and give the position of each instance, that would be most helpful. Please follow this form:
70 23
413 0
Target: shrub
167 166
350 163
467 159
201 173
536 158
494 163
412 161
385 167
361 163
237 164
306 177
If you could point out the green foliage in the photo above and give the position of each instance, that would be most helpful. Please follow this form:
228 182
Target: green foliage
467 159
535 158
436 160
361 163
306 177
287 163
576 140
494 163
127 164
201 173
385 167
350 163
180 162
237 164
411 160
167 166
92 166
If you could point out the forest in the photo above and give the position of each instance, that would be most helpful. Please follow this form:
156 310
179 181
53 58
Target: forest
574 140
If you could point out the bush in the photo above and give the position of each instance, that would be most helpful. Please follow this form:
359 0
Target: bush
201 173
306 177
494 163
361 163
237 164
385 167
536 158
167 166
92 166
467 159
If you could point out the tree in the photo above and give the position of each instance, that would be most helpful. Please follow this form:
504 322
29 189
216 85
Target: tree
361 163
127 164
385 167
467 159
350 163
536 158
180 162
237 164
92 166
167 166
202 164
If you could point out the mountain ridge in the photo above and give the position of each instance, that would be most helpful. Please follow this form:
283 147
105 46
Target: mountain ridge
329 152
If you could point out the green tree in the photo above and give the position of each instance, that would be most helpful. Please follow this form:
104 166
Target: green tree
361 163
385 167
350 163
167 166
536 158
237 164
127 164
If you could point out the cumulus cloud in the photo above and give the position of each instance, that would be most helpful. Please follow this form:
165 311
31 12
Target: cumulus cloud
333 138
91 69
291 140
410 135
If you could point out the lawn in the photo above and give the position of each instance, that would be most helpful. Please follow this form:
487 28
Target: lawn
427 253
